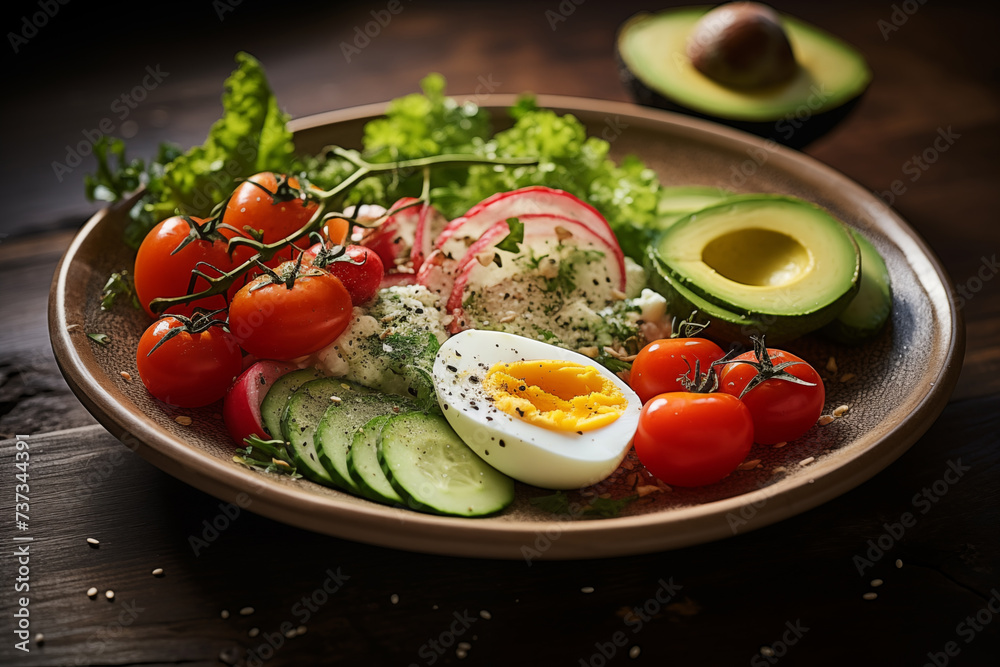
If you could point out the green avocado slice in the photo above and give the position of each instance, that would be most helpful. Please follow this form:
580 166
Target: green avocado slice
764 263
830 72
868 312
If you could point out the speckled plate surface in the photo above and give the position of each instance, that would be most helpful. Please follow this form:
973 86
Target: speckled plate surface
893 395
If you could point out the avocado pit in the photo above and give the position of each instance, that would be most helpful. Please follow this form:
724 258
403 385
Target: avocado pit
742 45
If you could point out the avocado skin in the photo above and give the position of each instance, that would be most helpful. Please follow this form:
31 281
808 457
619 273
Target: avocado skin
727 326
780 131
865 316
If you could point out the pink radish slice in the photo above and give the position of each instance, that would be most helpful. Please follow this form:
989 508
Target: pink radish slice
393 240
241 407
531 200
393 279
430 224
540 231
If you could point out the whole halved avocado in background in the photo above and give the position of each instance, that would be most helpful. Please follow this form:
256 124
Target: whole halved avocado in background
744 65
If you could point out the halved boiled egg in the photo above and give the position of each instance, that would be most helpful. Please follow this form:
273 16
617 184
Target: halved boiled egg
543 415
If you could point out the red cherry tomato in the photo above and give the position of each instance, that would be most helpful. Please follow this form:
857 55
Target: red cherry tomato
188 370
658 367
163 271
689 439
781 410
275 210
303 312
361 274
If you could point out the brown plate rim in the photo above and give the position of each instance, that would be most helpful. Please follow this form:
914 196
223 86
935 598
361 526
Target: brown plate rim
631 535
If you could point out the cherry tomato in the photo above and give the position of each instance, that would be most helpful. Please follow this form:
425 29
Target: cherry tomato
658 367
261 204
304 310
361 272
163 271
690 439
782 410
190 369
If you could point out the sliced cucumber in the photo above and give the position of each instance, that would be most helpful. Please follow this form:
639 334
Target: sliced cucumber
338 425
433 469
272 408
302 415
363 463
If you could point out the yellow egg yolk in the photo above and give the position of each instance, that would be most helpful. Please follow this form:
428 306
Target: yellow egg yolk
558 395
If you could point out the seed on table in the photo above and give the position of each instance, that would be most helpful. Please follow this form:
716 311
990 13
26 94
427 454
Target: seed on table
825 419
587 589
224 613
91 592
301 630
109 594
39 639
465 646
394 598
841 410
634 652
806 461
779 445
246 611
126 376
183 420
875 583
748 465
92 542
253 632
228 656
899 563
766 651
485 615
870 596
158 572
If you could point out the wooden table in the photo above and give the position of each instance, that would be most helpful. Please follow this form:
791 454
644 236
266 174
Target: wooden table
797 587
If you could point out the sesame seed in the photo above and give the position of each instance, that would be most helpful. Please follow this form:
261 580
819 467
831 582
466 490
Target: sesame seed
587 589
183 420
394 598
869 596
158 572
434 606
39 639
748 465
841 410
253 632
126 376
464 646
301 630
461 653
634 652
779 469
824 420
766 651
246 611
228 656
224 613
899 563
485 615
291 634
831 365
109 594
875 583
92 542
336 399
847 377
779 445
91 592
806 461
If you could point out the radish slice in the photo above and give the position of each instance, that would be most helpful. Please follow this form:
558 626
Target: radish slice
241 408
513 290
460 232
393 279
430 224
393 240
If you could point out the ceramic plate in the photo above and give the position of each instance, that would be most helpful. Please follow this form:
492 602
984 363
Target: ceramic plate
894 394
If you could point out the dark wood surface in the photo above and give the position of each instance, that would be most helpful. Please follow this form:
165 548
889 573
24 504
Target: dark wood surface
729 598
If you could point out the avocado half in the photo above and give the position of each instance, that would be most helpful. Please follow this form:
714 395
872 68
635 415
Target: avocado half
830 79
758 264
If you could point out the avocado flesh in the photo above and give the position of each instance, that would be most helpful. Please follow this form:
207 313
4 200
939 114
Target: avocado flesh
868 312
777 264
831 77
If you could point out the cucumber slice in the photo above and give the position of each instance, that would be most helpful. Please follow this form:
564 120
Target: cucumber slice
302 415
434 470
362 461
338 425
272 408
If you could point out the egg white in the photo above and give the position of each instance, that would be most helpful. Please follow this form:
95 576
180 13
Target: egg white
529 453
